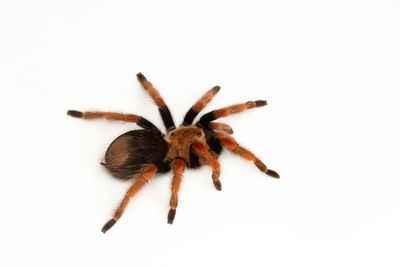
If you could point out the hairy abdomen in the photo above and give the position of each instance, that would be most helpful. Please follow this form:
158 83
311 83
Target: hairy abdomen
129 153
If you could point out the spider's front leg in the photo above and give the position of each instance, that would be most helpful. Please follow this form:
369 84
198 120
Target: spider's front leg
230 143
178 168
206 157
159 101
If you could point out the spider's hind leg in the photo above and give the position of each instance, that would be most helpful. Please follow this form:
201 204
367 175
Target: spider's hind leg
112 116
231 144
146 175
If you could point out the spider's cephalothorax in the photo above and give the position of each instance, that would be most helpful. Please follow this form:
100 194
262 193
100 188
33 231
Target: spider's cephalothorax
180 140
140 154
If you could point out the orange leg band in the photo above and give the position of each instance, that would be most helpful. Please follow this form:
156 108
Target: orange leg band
223 112
106 115
221 126
155 95
203 101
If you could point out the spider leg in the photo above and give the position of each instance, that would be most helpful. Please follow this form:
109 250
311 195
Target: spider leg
231 144
162 107
146 175
199 105
207 158
178 168
223 112
113 116
221 127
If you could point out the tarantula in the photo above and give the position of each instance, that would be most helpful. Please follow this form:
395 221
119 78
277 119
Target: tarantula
142 153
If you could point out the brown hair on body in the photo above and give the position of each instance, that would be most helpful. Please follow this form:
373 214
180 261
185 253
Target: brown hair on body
180 140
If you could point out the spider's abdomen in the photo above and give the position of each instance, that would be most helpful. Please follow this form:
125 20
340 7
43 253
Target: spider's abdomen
129 153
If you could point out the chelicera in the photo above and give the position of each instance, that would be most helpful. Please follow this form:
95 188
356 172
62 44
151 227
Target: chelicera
140 154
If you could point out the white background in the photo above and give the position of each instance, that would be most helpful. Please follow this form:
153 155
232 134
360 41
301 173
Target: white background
329 70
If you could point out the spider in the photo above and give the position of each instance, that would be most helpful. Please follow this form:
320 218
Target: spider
143 153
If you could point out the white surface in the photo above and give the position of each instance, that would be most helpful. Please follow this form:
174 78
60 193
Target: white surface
330 73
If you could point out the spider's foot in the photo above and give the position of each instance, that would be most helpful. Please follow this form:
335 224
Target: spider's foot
141 77
171 215
260 103
272 173
216 181
75 113
217 185
108 225
216 89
